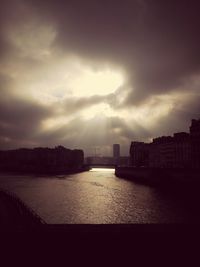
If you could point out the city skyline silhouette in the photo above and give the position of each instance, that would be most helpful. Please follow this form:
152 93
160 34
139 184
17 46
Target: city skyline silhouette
99 112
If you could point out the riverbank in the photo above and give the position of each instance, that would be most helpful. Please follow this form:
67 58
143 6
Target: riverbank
158 176
46 173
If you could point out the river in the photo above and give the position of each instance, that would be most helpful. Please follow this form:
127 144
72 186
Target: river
98 197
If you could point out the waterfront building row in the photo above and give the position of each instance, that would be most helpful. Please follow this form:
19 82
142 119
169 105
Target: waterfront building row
41 159
182 150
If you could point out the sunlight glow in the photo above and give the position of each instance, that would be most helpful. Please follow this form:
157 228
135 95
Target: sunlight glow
66 78
53 123
98 110
96 83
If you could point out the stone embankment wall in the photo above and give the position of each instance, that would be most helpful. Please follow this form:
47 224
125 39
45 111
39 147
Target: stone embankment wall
159 176
15 213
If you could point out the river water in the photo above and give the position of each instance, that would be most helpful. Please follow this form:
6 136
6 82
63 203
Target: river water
98 197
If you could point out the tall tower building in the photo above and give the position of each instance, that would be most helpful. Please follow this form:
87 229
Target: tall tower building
116 151
195 142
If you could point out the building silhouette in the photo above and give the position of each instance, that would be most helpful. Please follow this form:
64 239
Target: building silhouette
195 142
161 152
116 153
41 160
139 154
182 150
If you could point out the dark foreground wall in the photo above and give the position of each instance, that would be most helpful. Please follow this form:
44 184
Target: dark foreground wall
41 160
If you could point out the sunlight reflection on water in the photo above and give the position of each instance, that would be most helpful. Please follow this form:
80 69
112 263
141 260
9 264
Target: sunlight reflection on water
102 170
98 197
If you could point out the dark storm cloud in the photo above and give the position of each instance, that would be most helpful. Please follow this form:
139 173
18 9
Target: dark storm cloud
125 131
12 13
20 119
157 42
71 105
179 119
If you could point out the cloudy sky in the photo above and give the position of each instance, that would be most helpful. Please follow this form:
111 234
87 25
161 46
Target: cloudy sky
90 73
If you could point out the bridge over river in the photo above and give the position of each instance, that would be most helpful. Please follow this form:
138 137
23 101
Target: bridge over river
107 166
